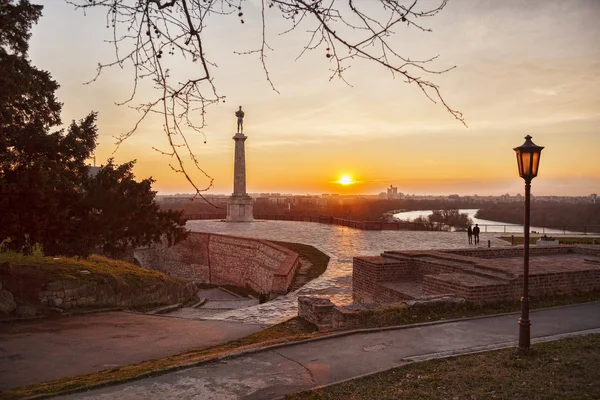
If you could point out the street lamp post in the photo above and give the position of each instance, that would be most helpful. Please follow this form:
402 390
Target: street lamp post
528 160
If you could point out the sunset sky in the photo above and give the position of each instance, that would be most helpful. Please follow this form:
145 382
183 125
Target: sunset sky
523 67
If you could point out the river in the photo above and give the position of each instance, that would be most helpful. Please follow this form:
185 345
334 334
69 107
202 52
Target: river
486 225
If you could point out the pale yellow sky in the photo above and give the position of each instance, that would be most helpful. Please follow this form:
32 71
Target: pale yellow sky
523 67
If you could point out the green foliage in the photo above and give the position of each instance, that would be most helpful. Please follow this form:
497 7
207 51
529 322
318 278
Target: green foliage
35 249
47 196
4 245
27 103
16 20
123 211
441 219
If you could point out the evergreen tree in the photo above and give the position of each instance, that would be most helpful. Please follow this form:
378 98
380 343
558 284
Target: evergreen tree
46 193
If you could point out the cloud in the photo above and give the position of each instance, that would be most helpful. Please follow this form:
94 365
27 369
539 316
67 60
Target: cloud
545 92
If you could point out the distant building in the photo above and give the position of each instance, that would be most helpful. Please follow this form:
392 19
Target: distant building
593 197
392 192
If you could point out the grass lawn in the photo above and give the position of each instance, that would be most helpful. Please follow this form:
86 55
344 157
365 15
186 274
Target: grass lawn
101 268
566 369
561 240
318 259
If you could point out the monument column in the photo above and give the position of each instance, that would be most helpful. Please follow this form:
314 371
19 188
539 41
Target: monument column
240 205
239 165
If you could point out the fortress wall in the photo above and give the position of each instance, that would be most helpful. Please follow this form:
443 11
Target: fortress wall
440 276
512 251
369 272
186 260
225 260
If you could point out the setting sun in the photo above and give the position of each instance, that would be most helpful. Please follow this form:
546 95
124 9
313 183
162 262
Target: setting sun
346 180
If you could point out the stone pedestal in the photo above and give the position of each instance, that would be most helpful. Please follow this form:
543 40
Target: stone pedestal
240 206
240 209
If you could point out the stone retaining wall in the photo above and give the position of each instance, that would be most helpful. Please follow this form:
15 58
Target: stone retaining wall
25 291
225 260
327 316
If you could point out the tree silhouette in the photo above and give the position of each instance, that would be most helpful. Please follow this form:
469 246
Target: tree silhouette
146 32
47 194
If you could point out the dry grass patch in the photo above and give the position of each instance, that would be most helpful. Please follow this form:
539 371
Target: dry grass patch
402 315
318 259
567 369
101 268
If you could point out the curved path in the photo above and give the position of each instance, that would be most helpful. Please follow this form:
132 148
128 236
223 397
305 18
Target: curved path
278 371
340 243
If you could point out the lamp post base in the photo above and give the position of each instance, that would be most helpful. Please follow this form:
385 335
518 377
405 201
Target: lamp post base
524 325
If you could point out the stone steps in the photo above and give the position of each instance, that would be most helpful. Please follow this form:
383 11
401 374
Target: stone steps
475 269
470 266
410 289
229 304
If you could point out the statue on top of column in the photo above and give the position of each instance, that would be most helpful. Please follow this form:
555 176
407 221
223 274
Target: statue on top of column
240 120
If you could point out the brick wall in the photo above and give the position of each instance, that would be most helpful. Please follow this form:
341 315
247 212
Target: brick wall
451 283
225 260
513 251
368 272
466 273
539 286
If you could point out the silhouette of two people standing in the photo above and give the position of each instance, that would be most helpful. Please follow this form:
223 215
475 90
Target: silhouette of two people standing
473 234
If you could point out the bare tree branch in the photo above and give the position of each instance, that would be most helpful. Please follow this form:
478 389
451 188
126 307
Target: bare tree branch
348 30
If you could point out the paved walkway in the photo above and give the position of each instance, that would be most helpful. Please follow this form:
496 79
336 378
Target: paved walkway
341 244
273 373
45 349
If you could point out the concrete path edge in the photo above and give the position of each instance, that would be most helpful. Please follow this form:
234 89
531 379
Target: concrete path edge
167 370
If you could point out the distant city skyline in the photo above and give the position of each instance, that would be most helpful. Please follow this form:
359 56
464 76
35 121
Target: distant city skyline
522 68
591 196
